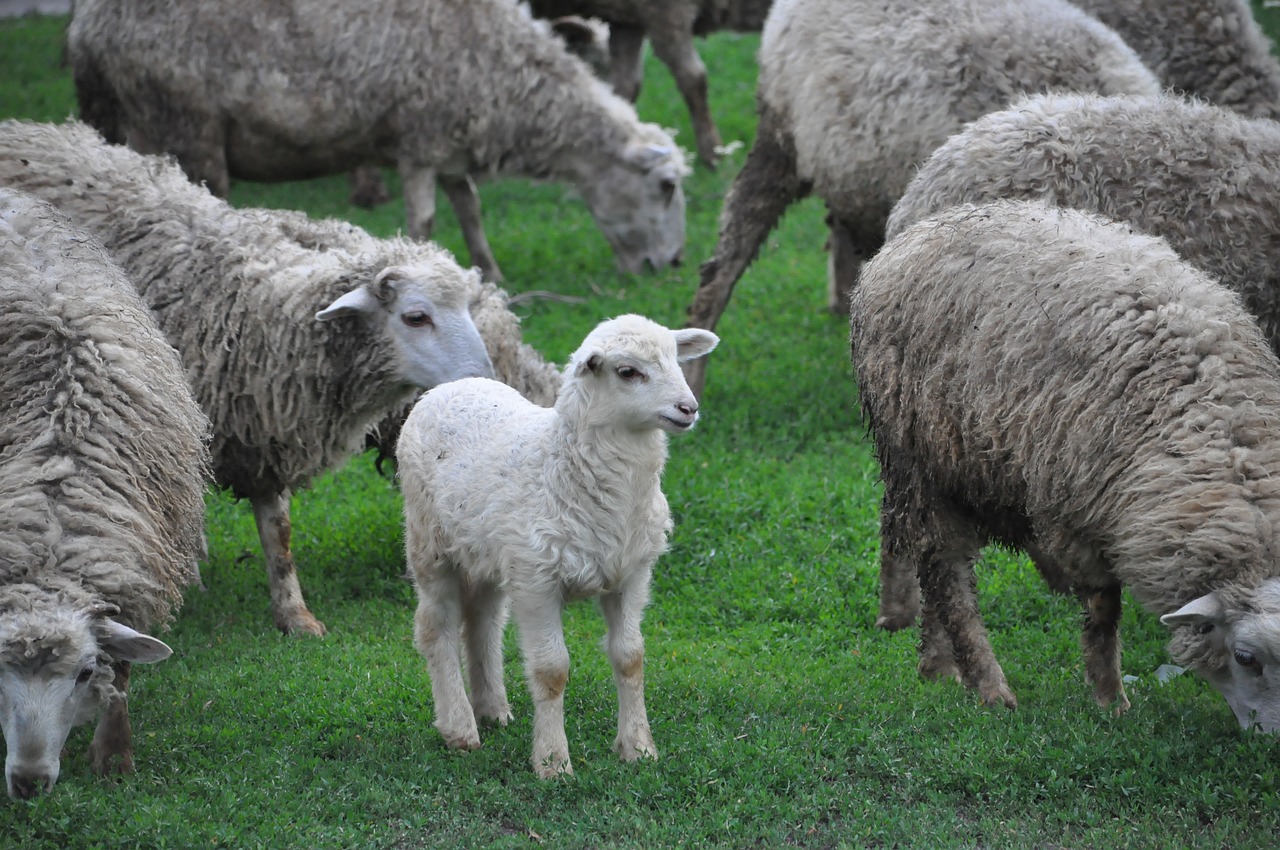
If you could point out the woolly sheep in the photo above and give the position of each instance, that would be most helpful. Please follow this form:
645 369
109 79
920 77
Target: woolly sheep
670 26
854 94
1213 49
437 88
238 293
102 465
1064 384
504 498
1202 177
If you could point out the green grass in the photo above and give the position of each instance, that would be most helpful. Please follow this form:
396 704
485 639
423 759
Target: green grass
782 716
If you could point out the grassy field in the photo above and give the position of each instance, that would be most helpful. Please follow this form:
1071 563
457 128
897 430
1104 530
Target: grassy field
782 716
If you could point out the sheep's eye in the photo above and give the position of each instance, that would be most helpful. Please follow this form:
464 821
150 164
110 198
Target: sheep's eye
1245 658
1204 628
85 675
417 319
629 373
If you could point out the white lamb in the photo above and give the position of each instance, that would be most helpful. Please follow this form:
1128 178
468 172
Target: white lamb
504 498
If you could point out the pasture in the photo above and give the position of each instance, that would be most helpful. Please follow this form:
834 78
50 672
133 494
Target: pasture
783 718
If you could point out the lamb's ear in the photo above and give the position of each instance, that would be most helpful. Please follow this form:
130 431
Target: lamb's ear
589 363
355 302
125 644
1206 609
694 342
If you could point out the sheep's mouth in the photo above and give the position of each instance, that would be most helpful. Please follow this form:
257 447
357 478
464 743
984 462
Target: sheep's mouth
671 423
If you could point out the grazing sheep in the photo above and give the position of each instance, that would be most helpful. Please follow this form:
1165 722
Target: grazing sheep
1048 379
102 469
436 88
504 498
238 293
670 26
1203 177
1213 49
854 94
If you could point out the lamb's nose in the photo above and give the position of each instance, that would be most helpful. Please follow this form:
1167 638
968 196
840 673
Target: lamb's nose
688 408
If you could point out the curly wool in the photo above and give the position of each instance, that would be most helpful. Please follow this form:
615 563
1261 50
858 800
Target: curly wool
1203 177
1097 398
103 455
236 291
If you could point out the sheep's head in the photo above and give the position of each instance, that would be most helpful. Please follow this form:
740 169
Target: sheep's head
638 203
55 674
424 311
627 374
1237 648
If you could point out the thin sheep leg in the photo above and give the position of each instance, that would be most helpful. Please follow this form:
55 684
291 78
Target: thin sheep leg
672 40
419 188
484 618
111 751
761 193
546 660
437 631
850 247
899 587
465 201
271 513
622 614
626 60
1100 640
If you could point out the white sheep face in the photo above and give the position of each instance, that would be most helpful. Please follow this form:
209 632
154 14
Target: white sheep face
1249 644
424 312
638 204
52 679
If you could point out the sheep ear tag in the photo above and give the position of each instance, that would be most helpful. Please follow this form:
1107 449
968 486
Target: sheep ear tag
125 644
694 342
1206 609
355 302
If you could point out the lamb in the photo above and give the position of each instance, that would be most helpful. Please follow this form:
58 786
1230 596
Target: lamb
437 88
1203 177
1064 384
504 498
238 293
670 26
1213 49
103 460
896 80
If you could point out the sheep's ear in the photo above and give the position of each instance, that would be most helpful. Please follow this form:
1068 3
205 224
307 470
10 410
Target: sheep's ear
355 302
646 156
574 31
694 342
1206 609
125 644
591 363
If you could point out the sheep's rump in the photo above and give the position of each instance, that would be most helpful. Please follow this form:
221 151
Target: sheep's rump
102 447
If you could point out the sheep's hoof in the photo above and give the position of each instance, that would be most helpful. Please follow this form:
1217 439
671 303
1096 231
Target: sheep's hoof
896 621
553 767
999 695
494 716
300 623
936 669
635 750
464 741
1119 703
119 763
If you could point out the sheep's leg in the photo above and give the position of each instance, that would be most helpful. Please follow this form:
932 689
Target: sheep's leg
672 39
484 618
419 188
202 154
622 613
437 631
1100 640
547 668
112 748
368 189
850 248
626 60
465 201
899 588
947 550
271 513
761 193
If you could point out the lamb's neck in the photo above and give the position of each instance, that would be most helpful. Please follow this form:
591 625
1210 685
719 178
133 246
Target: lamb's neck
607 459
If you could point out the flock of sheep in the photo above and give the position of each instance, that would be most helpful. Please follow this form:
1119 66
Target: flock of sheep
1058 268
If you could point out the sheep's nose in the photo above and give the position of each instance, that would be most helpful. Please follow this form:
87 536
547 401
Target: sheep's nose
24 786
688 408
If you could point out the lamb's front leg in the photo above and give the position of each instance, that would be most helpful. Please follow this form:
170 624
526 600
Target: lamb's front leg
271 513
622 613
546 660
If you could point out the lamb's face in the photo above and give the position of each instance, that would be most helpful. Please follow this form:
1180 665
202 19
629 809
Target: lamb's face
638 204
1244 656
50 681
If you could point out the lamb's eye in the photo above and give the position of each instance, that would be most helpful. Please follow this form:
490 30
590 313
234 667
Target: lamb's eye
85 675
417 319
629 373
1245 658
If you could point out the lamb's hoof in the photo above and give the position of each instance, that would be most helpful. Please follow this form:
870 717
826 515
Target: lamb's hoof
494 716
635 750
468 740
301 624
553 767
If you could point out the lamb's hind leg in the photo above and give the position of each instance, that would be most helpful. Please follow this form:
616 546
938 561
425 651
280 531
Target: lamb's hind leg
437 634
465 201
484 615
111 750
271 513
1100 640
546 661
622 613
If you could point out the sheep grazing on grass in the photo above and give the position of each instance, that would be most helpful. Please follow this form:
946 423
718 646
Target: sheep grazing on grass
670 26
854 94
1213 49
507 499
239 292
436 88
103 462
1203 177
1048 379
